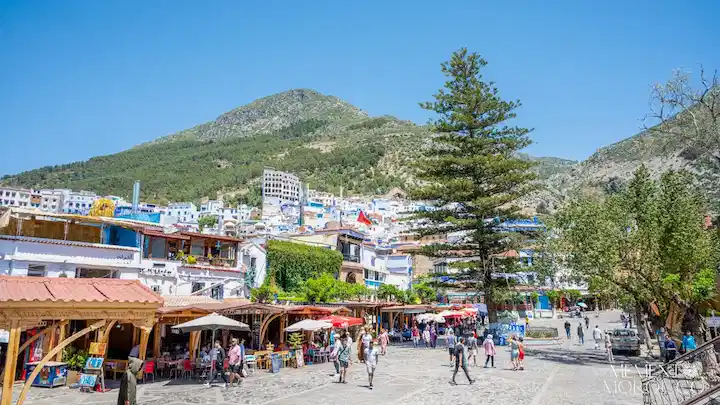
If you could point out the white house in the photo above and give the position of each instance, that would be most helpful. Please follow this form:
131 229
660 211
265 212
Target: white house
185 212
254 257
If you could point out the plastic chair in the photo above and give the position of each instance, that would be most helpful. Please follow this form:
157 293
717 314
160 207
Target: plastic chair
149 369
187 369
318 355
251 362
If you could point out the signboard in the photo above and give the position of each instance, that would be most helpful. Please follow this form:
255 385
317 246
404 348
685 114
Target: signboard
713 321
94 363
299 359
87 380
98 349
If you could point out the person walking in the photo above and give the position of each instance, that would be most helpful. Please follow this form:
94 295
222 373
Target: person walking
337 344
489 347
384 339
218 357
127 394
344 358
472 346
371 360
514 352
688 342
426 337
587 322
461 360
521 355
450 340
433 337
597 336
581 334
567 329
235 357
415 335
608 348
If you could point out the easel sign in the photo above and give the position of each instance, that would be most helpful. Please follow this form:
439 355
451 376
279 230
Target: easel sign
94 363
299 359
87 381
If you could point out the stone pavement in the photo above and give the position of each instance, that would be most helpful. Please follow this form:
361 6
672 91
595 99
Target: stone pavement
565 374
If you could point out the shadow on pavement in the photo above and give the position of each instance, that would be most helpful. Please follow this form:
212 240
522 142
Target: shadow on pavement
582 358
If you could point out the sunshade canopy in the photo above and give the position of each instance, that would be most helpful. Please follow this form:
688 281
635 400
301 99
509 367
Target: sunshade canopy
308 325
213 321
338 321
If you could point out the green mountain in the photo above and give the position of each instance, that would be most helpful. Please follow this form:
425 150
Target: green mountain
327 142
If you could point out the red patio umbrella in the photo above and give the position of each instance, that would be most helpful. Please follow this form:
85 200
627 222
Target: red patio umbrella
338 321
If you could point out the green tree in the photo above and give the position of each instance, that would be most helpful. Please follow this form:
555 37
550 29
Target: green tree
321 289
264 293
647 242
471 172
426 293
554 299
388 292
207 221
573 295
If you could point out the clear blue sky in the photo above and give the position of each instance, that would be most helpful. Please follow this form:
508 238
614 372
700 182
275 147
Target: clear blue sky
85 78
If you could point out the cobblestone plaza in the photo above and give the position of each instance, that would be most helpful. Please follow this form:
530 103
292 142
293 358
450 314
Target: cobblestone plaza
564 374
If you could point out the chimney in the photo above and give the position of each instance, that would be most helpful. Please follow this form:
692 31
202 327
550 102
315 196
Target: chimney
136 196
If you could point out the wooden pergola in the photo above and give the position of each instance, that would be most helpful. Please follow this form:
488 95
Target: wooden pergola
27 302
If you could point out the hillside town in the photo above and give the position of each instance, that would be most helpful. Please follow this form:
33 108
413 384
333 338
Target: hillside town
282 204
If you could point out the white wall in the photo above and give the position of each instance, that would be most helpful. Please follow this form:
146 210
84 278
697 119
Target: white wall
234 281
251 251
401 281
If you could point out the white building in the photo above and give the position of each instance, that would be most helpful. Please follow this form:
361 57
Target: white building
77 202
281 185
185 212
211 207
111 248
52 200
15 197
400 270
255 261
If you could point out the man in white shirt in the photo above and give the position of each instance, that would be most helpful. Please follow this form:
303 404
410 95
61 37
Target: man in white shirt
597 336
371 359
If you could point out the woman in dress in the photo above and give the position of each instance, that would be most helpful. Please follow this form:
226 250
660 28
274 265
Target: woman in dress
384 339
514 352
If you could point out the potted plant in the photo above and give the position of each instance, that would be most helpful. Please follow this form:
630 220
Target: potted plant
75 359
295 341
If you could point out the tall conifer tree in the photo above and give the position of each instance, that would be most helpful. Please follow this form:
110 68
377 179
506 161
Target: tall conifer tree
472 174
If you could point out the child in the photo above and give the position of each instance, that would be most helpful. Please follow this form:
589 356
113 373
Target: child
521 356
371 359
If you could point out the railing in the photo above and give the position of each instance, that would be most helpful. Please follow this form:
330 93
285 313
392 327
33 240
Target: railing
351 258
689 379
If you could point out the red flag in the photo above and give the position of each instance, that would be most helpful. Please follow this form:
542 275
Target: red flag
363 219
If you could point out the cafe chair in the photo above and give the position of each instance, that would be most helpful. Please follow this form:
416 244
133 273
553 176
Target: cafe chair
149 368
251 362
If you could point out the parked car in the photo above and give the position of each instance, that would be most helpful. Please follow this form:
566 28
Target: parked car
625 340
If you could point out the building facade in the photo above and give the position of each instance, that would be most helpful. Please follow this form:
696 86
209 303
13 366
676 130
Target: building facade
281 185
185 212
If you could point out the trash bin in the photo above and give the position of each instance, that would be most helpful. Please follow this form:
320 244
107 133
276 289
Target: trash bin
275 363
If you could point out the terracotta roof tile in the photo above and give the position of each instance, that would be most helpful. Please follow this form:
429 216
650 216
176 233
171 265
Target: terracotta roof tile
19 288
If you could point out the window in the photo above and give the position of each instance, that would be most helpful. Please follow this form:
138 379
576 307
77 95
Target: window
95 273
156 289
217 292
197 286
36 270
253 263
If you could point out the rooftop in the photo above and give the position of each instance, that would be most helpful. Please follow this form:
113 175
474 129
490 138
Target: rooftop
75 290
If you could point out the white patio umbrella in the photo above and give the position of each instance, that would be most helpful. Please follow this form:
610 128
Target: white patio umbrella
212 322
310 325
430 317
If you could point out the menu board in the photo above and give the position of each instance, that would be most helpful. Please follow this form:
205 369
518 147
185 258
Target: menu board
98 349
88 380
94 363
299 359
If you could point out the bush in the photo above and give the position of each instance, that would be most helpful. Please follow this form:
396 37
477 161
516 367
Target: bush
541 333
291 264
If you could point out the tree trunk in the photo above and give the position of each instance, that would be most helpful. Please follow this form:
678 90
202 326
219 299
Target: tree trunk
642 328
488 291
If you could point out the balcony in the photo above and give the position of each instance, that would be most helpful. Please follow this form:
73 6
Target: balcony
64 251
347 257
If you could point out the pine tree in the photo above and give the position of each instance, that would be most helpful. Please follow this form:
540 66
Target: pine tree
471 173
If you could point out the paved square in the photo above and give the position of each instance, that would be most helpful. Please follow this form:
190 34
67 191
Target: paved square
565 374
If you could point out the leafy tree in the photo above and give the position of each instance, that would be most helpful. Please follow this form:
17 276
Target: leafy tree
554 299
264 293
425 293
471 172
649 243
573 295
321 289
206 221
388 292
